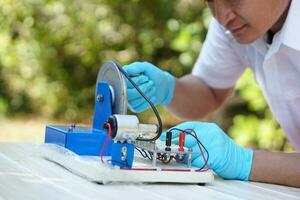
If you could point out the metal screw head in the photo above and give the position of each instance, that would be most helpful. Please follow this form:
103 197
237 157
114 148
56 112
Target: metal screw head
124 153
124 149
100 98
71 127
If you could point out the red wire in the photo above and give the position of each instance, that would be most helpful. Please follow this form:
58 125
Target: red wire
160 169
106 141
165 169
150 169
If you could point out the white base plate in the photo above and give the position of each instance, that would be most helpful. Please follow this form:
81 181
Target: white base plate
92 169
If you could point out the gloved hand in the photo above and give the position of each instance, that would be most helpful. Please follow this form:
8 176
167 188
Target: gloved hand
156 84
226 158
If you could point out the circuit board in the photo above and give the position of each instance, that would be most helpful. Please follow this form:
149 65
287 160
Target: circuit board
92 169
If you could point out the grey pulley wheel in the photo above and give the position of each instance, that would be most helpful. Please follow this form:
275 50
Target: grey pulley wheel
110 74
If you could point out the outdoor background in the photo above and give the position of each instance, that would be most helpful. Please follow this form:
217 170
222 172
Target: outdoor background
51 51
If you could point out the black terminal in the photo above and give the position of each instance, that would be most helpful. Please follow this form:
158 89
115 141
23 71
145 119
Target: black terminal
168 141
112 121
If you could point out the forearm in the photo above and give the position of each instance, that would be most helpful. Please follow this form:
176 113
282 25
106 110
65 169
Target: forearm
193 99
277 168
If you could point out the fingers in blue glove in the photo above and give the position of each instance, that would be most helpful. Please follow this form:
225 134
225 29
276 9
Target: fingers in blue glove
141 107
197 159
138 80
175 133
136 68
183 126
189 141
139 99
147 88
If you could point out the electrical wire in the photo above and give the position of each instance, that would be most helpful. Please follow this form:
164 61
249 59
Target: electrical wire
162 157
199 145
148 155
151 155
144 155
160 125
159 132
205 160
107 125
106 141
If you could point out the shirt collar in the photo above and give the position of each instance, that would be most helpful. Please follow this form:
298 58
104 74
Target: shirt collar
288 35
290 32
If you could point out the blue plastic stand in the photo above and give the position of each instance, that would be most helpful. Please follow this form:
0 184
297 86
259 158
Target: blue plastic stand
85 140
122 154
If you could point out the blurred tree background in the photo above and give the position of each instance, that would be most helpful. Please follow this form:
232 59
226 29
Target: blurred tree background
51 51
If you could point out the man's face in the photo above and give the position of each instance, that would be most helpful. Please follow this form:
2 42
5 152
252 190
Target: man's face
248 20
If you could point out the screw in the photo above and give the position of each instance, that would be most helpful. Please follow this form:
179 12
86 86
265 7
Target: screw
71 127
100 97
124 150
124 153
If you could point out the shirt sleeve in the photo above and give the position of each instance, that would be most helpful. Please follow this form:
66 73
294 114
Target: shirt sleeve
222 60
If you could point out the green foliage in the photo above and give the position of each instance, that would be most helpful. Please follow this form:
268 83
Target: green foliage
51 51
258 127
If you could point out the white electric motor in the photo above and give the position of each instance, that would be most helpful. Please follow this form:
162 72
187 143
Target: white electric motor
127 128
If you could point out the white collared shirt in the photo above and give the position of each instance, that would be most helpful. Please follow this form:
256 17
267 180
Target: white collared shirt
276 68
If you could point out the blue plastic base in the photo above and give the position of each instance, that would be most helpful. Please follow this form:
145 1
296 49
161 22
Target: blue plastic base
89 141
80 140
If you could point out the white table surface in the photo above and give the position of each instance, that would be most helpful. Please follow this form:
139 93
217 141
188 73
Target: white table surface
25 176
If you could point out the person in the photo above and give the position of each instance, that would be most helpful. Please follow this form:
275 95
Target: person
262 35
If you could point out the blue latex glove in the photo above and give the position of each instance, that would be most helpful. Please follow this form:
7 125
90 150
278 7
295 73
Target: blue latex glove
156 84
226 158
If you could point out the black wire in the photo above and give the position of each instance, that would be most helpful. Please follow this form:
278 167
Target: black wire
198 141
146 152
144 156
160 125
151 155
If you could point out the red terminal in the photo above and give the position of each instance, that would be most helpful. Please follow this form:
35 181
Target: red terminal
181 141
